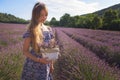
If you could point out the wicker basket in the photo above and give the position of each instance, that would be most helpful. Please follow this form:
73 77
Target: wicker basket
51 53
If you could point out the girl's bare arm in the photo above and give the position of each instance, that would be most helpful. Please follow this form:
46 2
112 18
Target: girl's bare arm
26 52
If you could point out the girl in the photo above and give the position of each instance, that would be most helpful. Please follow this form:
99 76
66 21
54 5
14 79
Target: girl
36 67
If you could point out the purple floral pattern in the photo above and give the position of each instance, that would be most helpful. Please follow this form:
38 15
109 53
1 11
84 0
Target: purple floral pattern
33 70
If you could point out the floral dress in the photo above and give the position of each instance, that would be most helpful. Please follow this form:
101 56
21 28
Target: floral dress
34 70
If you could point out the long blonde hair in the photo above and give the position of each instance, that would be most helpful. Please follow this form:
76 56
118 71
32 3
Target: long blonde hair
34 27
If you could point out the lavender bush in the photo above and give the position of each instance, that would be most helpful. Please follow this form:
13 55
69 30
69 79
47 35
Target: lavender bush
77 60
78 63
104 50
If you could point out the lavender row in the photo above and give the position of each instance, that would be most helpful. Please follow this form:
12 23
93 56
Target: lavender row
10 34
74 32
103 37
100 32
79 63
11 62
105 51
108 37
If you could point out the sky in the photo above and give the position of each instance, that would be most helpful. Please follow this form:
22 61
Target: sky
56 8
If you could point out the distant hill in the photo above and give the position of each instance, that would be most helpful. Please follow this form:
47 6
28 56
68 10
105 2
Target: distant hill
8 18
114 7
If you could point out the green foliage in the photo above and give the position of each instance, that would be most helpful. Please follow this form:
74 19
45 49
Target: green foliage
107 19
47 23
111 20
115 25
8 18
3 43
109 16
96 22
64 20
54 22
11 65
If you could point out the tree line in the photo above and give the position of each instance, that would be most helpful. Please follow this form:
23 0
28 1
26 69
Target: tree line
110 20
8 18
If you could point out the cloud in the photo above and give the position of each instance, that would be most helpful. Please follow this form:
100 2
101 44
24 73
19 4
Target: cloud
57 8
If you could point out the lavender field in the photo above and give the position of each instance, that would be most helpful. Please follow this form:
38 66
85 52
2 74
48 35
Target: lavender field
85 54
11 57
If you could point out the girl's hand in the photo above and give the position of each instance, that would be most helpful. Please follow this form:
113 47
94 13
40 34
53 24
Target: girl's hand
44 60
51 69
